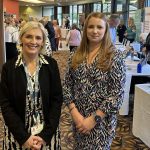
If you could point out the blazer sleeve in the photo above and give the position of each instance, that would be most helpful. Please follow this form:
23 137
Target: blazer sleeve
12 120
55 104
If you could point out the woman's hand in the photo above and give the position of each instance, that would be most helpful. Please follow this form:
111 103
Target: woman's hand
125 34
84 125
77 117
87 125
34 143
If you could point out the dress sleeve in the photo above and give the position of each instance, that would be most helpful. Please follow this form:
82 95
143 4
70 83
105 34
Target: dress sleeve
116 83
68 84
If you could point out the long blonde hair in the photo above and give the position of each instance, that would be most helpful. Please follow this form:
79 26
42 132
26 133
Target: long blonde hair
131 23
105 50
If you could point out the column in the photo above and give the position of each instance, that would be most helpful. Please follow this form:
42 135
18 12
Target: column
2 46
113 6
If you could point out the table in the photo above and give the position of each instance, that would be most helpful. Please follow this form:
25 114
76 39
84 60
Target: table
131 71
141 114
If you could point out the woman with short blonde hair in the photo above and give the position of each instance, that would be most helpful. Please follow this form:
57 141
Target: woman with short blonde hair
30 93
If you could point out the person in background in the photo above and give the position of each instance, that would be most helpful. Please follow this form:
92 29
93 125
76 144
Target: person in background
67 23
130 33
73 38
142 39
22 23
31 107
93 87
114 21
121 31
81 20
11 38
146 49
51 32
57 33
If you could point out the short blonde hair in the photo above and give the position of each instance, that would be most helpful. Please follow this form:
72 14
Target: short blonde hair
34 25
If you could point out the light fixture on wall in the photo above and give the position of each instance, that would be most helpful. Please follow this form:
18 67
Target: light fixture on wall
31 1
133 1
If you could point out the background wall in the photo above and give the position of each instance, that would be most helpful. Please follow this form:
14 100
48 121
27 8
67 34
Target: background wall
35 11
11 7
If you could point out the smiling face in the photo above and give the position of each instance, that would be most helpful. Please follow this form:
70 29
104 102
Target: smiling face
32 42
96 28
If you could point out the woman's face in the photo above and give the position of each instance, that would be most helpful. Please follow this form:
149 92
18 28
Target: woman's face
95 30
32 41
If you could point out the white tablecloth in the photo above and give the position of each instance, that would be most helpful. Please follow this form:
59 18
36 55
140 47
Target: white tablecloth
141 114
131 71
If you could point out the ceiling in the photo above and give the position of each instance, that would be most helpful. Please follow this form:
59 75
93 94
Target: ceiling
54 2
63 2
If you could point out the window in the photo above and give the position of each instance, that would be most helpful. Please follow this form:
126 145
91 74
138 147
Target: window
74 16
59 15
97 7
107 7
119 7
133 5
71 15
48 11
147 3
80 9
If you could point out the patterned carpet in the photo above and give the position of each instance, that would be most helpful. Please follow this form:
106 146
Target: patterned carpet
124 138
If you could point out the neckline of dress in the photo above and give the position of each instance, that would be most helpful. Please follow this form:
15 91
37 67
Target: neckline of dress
93 57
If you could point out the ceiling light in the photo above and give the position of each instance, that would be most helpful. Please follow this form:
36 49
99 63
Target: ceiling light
31 1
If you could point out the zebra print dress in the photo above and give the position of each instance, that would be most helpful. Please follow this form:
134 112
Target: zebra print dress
92 89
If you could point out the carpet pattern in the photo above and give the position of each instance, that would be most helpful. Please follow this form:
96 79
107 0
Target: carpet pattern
124 138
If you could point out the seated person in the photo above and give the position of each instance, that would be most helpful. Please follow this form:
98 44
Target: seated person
146 49
142 39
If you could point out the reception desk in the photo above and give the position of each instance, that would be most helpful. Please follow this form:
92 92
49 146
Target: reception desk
141 114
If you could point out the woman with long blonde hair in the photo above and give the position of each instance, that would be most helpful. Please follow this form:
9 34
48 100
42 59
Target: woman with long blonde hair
93 86
131 30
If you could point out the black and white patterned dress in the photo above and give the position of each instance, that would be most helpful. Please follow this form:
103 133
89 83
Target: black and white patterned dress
92 89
